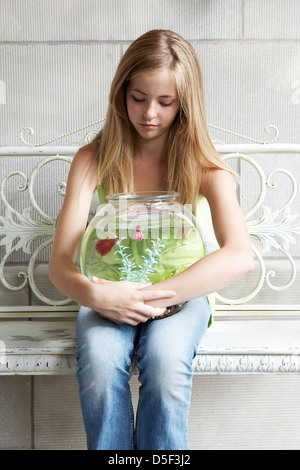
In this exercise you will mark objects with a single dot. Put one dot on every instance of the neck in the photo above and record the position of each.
(151, 151)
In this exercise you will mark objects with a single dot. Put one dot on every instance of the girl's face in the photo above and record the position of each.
(152, 103)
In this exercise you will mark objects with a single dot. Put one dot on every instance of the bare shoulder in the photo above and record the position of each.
(82, 178)
(87, 153)
(85, 165)
(92, 147)
(217, 181)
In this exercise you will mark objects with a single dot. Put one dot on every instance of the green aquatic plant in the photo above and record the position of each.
(129, 270)
(150, 260)
(128, 264)
(162, 276)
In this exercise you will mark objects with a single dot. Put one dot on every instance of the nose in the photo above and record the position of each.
(150, 111)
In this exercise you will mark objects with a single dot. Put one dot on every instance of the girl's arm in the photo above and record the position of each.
(232, 260)
(119, 301)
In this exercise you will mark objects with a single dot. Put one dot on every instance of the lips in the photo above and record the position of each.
(148, 126)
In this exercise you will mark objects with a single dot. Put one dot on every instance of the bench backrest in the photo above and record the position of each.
(32, 189)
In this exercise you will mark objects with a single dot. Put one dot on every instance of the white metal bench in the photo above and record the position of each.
(256, 328)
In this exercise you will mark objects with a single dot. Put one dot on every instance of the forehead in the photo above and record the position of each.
(159, 83)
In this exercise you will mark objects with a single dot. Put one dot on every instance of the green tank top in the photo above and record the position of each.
(168, 260)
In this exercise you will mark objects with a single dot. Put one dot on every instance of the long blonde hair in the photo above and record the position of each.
(189, 150)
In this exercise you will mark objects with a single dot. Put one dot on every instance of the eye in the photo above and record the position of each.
(165, 104)
(137, 100)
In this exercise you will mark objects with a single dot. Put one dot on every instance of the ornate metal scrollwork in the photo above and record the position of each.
(275, 229)
(86, 139)
(18, 230)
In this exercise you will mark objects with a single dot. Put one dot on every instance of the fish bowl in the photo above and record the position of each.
(141, 237)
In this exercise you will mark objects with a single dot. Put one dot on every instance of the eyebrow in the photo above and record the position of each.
(145, 94)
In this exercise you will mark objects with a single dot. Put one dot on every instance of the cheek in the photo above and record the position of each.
(172, 115)
(130, 111)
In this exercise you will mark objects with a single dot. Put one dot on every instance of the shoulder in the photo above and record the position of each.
(85, 161)
(91, 147)
(83, 174)
(87, 152)
(217, 181)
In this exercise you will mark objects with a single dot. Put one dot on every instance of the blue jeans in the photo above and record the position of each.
(165, 350)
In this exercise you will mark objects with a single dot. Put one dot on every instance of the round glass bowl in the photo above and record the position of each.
(142, 237)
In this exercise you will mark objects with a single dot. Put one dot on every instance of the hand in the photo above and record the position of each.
(124, 301)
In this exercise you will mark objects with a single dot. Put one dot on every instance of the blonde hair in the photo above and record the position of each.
(189, 150)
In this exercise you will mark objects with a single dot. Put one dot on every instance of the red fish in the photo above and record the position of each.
(104, 246)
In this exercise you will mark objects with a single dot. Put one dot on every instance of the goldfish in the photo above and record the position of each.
(103, 247)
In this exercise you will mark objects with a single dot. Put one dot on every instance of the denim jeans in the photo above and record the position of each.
(165, 350)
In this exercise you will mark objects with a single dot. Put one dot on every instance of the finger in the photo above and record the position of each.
(157, 294)
(150, 312)
(158, 311)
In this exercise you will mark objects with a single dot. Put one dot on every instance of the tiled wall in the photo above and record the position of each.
(261, 412)
(57, 59)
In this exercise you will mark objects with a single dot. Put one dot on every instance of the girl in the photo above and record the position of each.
(155, 138)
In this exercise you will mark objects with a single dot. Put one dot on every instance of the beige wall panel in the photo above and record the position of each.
(57, 414)
(249, 85)
(272, 19)
(261, 412)
(54, 88)
(232, 413)
(15, 405)
(116, 20)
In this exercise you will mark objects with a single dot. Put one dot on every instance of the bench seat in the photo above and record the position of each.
(239, 346)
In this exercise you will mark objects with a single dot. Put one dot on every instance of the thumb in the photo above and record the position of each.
(98, 280)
